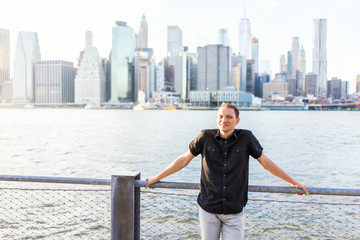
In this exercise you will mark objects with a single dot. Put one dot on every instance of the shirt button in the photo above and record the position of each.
(225, 141)
(224, 187)
(225, 153)
(223, 199)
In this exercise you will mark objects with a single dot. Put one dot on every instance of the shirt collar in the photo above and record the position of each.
(217, 135)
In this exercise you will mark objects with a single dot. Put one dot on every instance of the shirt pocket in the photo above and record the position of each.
(213, 149)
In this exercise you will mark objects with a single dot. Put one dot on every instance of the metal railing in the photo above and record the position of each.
(167, 212)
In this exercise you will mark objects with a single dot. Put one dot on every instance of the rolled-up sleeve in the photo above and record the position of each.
(196, 145)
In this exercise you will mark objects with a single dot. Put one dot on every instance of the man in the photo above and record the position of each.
(224, 174)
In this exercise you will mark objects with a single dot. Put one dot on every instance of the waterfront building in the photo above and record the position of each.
(122, 63)
(174, 40)
(6, 91)
(4, 55)
(178, 64)
(358, 83)
(169, 77)
(144, 73)
(5, 84)
(260, 79)
(344, 89)
(26, 54)
(90, 81)
(292, 86)
(319, 55)
(302, 69)
(236, 76)
(254, 43)
(276, 86)
(213, 99)
(310, 84)
(54, 82)
(238, 68)
(142, 38)
(334, 88)
(223, 38)
(250, 76)
(160, 76)
(213, 67)
(289, 64)
(192, 71)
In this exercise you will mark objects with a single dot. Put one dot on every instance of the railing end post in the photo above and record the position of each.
(125, 206)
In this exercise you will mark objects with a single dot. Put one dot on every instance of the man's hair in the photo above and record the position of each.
(232, 106)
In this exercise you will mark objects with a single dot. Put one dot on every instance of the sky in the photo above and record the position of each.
(61, 26)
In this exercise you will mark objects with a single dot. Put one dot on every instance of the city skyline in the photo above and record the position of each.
(60, 28)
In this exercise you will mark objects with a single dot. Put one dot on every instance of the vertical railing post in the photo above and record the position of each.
(125, 207)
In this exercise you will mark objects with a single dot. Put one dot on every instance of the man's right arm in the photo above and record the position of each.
(178, 164)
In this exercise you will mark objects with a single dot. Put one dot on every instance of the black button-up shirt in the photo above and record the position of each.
(225, 169)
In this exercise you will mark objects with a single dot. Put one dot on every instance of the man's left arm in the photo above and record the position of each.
(275, 170)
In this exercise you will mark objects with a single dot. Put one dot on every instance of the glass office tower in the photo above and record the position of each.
(122, 58)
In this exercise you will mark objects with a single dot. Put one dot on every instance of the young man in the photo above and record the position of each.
(224, 174)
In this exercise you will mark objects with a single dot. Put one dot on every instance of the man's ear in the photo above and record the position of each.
(237, 120)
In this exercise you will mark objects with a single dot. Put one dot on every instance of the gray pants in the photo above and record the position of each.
(231, 226)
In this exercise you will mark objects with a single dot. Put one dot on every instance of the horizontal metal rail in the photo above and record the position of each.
(180, 185)
(87, 181)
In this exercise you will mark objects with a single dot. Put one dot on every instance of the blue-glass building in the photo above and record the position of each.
(122, 63)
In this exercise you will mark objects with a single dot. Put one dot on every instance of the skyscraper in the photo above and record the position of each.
(319, 57)
(358, 83)
(244, 37)
(283, 65)
(26, 54)
(122, 58)
(142, 41)
(4, 55)
(174, 40)
(90, 79)
(54, 82)
(255, 53)
(294, 55)
(310, 84)
(213, 67)
(302, 68)
(223, 38)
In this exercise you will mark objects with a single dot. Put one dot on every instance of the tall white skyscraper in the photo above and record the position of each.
(319, 55)
(4, 55)
(244, 37)
(302, 68)
(26, 54)
(90, 78)
(142, 41)
(294, 55)
(174, 40)
(223, 37)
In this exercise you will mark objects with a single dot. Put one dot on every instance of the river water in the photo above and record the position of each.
(319, 148)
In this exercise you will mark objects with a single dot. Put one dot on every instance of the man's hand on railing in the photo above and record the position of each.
(301, 186)
(151, 180)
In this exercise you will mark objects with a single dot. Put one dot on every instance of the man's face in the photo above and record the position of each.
(226, 119)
